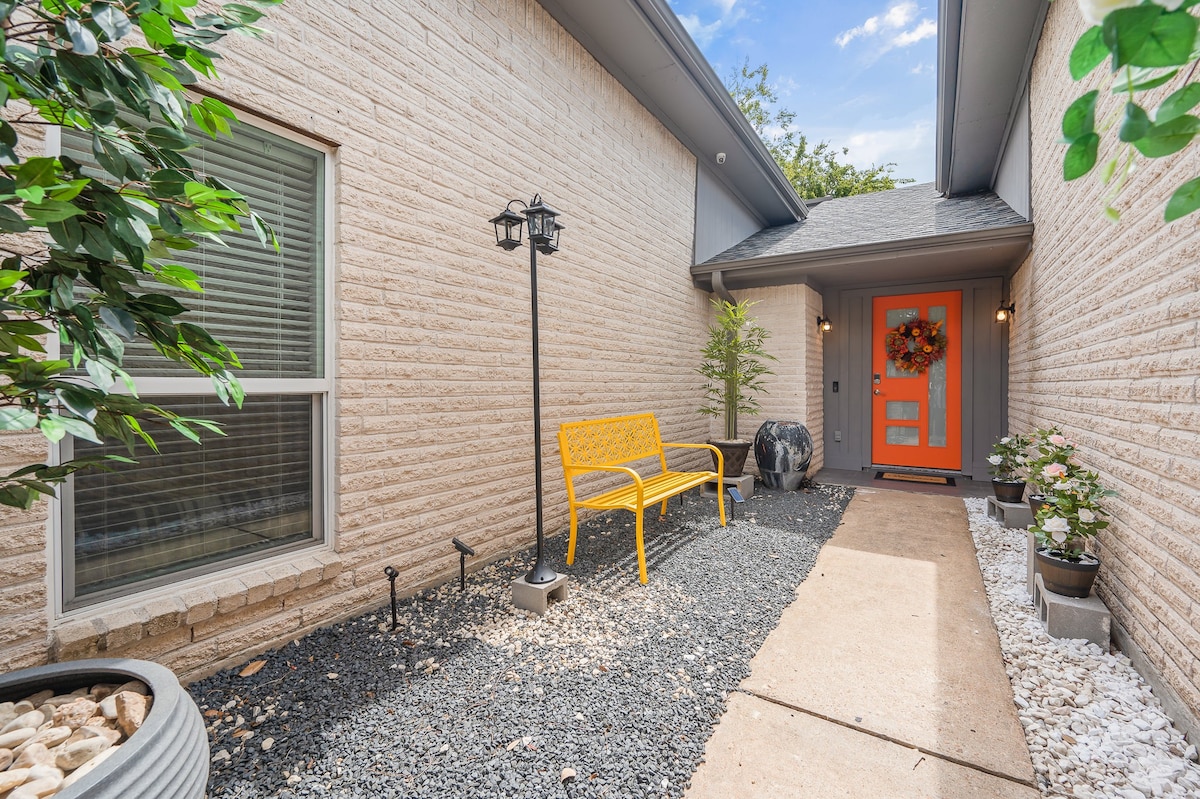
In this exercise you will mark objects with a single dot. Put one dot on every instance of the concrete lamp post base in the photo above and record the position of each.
(536, 597)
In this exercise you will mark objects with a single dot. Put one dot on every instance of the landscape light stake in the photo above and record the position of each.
(463, 551)
(543, 237)
(392, 574)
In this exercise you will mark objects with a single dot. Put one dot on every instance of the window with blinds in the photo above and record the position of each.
(257, 489)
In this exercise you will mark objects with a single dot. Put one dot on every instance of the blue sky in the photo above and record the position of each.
(857, 73)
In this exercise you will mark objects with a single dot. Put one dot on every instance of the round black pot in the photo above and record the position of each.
(1008, 490)
(1066, 576)
(783, 451)
(167, 758)
(734, 453)
(1036, 502)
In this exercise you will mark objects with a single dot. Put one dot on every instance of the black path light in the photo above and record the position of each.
(543, 236)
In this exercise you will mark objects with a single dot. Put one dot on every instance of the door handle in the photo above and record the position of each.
(877, 392)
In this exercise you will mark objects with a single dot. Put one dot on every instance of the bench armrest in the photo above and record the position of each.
(637, 478)
(720, 457)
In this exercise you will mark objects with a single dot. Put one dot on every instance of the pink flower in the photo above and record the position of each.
(1057, 440)
(1054, 471)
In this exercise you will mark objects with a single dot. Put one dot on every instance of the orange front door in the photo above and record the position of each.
(916, 415)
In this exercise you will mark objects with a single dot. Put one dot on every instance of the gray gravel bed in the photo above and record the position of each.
(622, 684)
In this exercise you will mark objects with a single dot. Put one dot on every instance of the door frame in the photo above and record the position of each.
(847, 359)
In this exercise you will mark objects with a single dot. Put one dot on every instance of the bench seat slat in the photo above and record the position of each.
(657, 488)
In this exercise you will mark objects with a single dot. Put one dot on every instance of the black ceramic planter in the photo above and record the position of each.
(1068, 577)
(1008, 490)
(1036, 502)
(734, 454)
(167, 758)
(783, 451)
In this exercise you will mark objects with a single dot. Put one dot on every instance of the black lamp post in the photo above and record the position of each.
(543, 237)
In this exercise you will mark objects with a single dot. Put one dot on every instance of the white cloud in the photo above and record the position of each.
(701, 34)
(922, 69)
(892, 28)
(926, 29)
(909, 146)
(726, 6)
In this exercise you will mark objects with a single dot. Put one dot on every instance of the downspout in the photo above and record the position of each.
(718, 287)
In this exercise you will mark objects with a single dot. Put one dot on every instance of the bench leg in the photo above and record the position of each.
(641, 550)
(571, 540)
(720, 501)
(662, 512)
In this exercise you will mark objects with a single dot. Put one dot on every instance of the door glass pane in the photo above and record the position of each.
(904, 411)
(903, 436)
(894, 317)
(937, 388)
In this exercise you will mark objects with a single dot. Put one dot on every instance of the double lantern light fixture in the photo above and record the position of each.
(544, 228)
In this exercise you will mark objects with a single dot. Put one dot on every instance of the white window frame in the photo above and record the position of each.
(321, 389)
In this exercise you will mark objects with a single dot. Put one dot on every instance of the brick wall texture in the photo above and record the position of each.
(794, 391)
(433, 107)
(1105, 344)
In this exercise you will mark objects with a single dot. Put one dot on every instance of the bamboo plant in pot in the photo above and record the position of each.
(1007, 460)
(734, 367)
(1071, 515)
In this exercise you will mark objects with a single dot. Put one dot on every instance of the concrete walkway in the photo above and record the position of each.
(884, 677)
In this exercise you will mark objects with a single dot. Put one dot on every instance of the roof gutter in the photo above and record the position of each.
(815, 267)
(949, 41)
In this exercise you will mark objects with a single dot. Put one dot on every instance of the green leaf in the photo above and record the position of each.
(11, 221)
(1170, 41)
(1081, 156)
(17, 419)
(1184, 201)
(1126, 31)
(1080, 117)
(168, 138)
(37, 172)
(82, 40)
(1169, 137)
(1089, 52)
(1135, 124)
(157, 28)
(1178, 103)
(119, 320)
(55, 427)
(11, 277)
(111, 20)
(51, 211)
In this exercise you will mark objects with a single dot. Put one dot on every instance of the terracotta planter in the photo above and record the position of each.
(734, 453)
(167, 758)
(1008, 490)
(1069, 577)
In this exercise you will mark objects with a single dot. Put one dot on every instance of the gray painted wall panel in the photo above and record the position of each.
(1013, 176)
(848, 361)
(721, 219)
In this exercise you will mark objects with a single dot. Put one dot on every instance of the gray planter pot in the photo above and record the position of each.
(166, 759)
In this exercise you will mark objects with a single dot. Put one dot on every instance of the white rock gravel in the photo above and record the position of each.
(1093, 726)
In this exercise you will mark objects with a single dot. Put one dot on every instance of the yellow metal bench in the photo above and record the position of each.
(605, 445)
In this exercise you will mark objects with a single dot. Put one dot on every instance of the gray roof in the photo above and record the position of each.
(910, 212)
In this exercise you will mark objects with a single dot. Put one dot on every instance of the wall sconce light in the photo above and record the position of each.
(823, 324)
(1005, 313)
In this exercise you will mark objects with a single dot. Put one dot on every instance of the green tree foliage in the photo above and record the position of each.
(85, 257)
(733, 364)
(813, 171)
(1149, 44)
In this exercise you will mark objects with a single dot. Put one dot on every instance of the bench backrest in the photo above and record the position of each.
(610, 442)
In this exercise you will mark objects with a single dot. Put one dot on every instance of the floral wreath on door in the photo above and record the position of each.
(915, 345)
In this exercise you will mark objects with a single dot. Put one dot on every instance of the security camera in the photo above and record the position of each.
(720, 158)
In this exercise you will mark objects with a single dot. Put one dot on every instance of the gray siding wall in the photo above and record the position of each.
(722, 220)
(1013, 178)
(848, 361)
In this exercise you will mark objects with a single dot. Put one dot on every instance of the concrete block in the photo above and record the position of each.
(537, 597)
(744, 485)
(1010, 514)
(1068, 617)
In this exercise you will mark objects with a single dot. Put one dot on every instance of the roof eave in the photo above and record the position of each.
(955, 255)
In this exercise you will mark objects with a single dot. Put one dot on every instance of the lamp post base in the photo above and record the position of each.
(540, 573)
(536, 597)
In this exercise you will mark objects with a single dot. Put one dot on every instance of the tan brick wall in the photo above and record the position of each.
(1105, 344)
(433, 117)
(794, 391)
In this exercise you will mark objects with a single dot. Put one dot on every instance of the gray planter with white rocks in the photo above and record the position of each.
(167, 758)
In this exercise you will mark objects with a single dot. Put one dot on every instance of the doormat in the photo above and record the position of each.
(905, 477)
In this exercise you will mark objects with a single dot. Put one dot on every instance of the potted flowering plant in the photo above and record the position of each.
(1007, 460)
(1052, 460)
(1071, 515)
